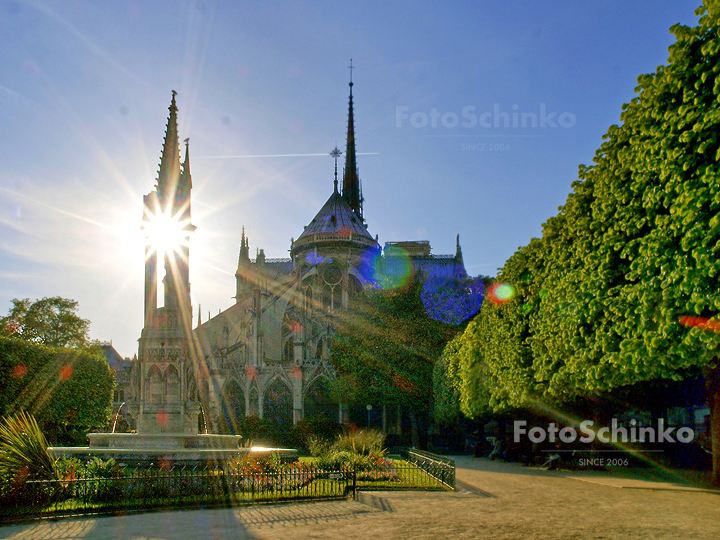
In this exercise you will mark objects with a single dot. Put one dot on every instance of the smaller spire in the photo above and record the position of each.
(244, 257)
(336, 153)
(186, 163)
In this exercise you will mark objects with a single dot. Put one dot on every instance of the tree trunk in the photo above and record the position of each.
(712, 381)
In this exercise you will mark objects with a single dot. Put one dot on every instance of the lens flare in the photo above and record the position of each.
(66, 372)
(387, 271)
(313, 258)
(451, 300)
(700, 322)
(166, 234)
(500, 293)
(162, 418)
(20, 371)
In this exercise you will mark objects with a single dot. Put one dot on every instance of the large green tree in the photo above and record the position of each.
(600, 298)
(385, 349)
(62, 388)
(50, 321)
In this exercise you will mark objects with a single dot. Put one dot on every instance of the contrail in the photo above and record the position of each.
(280, 155)
(59, 210)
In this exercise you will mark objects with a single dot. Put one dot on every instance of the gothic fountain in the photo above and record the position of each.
(166, 407)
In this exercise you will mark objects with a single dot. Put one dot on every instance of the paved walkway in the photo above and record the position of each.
(495, 500)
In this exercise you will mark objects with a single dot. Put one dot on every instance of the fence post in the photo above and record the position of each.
(354, 484)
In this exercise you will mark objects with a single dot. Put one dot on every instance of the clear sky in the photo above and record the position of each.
(85, 86)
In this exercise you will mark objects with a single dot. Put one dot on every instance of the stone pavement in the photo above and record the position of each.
(494, 500)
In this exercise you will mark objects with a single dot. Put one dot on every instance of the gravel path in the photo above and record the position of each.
(496, 500)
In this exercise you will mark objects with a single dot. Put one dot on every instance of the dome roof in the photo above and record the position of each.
(335, 221)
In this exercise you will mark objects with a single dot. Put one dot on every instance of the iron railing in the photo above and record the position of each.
(136, 490)
(438, 467)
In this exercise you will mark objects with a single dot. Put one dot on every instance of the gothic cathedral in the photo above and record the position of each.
(267, 355)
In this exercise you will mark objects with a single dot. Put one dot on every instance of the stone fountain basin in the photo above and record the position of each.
(167, 448)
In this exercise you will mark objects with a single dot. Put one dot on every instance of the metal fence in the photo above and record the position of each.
(438, 467)
(129, 490)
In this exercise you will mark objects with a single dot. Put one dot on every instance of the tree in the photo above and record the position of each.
(385, 348)
(61, 388)
(50, 321)
(635, 251)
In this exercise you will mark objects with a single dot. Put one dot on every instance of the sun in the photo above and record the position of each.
(166, 234)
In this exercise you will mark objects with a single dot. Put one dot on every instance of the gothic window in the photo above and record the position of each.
(233, 407)
(154, 387)
(254, 409)
(288, 350)
(319, 350)
(278, 406)
(290, 327)
(354, 286)
(173, 385)
(326, 295)
(308, 297)
(317, 402)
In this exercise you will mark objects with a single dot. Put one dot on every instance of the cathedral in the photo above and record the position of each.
(266, 356)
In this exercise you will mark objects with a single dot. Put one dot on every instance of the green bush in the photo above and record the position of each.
(363, 442)
(362, 450)
(62, 388)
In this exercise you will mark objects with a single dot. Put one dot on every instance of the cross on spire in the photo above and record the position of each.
(336, 153)
(351, 68)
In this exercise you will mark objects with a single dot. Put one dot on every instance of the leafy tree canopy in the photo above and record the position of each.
(59, 387)
(50, 321)
(385, 349)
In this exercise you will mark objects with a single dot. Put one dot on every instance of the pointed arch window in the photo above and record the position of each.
(154, 387)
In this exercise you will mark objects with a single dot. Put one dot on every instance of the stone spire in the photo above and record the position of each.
(351, 191)
(244, 257)
(182, 195)
(169, 172)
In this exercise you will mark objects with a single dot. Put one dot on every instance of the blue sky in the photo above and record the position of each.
(85, 86)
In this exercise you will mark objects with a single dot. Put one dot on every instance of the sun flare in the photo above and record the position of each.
(166, 234)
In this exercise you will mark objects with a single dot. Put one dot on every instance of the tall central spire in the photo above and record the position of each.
(351, 191)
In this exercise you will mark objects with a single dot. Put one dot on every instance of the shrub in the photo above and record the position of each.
(362, 442)
(318, 446)
(24, 456)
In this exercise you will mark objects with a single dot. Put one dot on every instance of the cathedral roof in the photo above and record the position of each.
(336, 220)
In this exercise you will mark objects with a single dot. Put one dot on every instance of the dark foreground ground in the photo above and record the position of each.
(495, 500)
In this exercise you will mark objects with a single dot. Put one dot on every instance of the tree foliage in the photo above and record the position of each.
(60, 387)
(385, 349)
(599, 298)
(49, 321)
